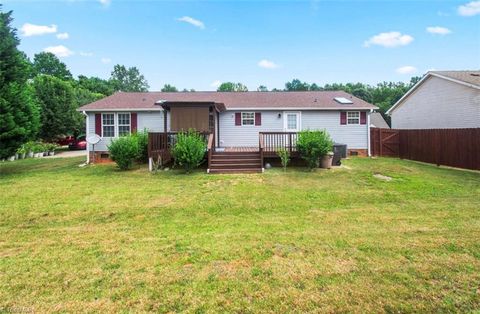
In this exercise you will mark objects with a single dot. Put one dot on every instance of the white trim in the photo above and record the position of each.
(118, 123)
(241, 118)
(119, 110)
(368, 134)
(417, 85)
(301, 108)
(114, 125)
(299, 121)
(86, 134)
(359, 117)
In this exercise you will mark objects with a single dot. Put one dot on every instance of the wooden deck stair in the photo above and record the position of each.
(235, 162)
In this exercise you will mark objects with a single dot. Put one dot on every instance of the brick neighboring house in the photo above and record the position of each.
(440, 100)
(235, 118)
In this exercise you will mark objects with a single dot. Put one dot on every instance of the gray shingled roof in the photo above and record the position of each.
(377, 120)
(321, 100)
(470, 77)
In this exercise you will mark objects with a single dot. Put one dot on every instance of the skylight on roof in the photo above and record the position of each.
(343, 100)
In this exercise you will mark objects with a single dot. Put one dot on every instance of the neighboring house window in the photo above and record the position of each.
(353, 117)
(248, 118)
(123, 124)
(108, 125)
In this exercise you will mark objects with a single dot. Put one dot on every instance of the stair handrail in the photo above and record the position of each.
(210, 150)
(260, 148)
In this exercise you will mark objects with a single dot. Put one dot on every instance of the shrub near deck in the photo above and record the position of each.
(98, 239)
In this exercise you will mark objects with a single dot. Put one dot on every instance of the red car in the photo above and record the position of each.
(79, 143)
(67, 140)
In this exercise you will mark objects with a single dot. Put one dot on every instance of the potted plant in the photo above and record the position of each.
(38, 150)
(51, 149)
(21, 152)
(29, 149)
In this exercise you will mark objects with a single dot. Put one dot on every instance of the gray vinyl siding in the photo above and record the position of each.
(151, 120)
(355, 136)
(232, 135)
(438, 104)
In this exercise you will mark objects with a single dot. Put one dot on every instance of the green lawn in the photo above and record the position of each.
(97, 239)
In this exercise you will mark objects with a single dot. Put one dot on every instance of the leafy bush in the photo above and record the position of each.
(284, 157)
(142, 140)
(189, 151)
(313, 145)
(124, 151)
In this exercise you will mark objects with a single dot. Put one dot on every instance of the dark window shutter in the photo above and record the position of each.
(343, 117)
(258, 118)
(98, 124)
(238, 118)
(363, 117)
(133, 122)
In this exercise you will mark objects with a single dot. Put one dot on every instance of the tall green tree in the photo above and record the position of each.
(58, 104)
(169, 88)
(19, 117)
(48, 63)
(232, 87)
(95, 85)
(262, 88)
(296, 85)
(128, 79)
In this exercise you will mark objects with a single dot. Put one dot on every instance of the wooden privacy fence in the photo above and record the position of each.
(450, 147)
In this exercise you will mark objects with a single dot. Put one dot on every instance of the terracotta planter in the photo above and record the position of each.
(326, 162)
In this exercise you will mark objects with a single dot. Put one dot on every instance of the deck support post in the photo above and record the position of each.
(150, 164)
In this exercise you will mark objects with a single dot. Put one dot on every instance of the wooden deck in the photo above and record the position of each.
(227, 159)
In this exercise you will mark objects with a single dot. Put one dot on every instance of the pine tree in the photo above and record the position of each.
(19, 114)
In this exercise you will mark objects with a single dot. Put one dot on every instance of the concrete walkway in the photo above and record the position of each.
(69, 154)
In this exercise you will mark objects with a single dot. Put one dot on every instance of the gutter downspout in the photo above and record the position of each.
(368, 132)
(86, 132)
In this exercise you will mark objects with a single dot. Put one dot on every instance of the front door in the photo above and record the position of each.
(291, 121)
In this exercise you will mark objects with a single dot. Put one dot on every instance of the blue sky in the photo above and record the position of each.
(196, 44)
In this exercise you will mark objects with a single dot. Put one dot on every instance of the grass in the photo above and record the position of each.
(95, 239)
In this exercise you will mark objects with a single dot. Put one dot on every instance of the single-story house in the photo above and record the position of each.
(440, 100)
(235, 119)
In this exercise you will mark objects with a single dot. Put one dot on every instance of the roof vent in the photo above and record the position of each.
(343, 100)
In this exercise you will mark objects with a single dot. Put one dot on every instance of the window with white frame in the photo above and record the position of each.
(123, 124)
(353, 117)
(248, 118)
(108, 125)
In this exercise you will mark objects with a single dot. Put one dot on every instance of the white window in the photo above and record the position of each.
(353, 117)
(248, 118)
(123, 124)
(108, 125)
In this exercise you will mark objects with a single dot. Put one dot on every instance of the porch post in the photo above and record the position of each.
(165, 120)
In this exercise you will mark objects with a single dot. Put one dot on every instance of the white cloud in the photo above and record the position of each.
(105, 3)
(389, 40)
(216, 84)
(59, 51)
(28, 29)
(469, 9)
(106, 60)
(438, 30)
(408, 69)
(191, 20)
(85, 54)
(267, 64)
(63, 36)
